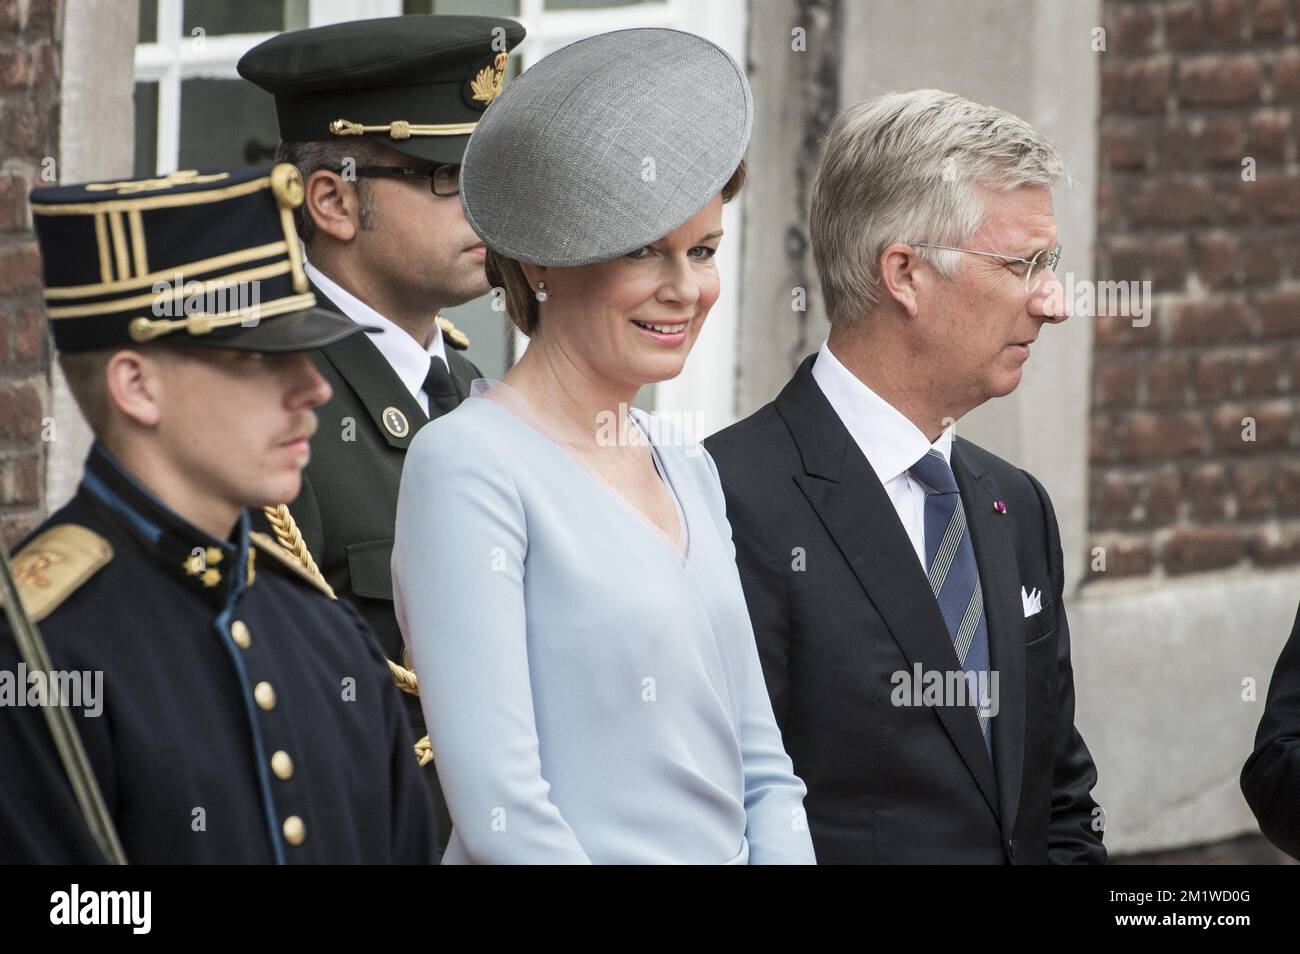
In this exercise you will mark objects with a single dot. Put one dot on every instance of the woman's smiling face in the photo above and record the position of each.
(633, 320)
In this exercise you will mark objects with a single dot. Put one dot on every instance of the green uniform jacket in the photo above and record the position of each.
(347, 507)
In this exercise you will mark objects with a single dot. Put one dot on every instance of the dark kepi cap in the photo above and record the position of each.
(199, 258)
(417, 84)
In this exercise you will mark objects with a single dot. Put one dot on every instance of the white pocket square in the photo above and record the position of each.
(1033, 602)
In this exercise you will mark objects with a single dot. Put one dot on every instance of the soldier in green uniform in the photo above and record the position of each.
(376, 115)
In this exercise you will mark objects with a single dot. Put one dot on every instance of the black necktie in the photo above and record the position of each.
(441, 389)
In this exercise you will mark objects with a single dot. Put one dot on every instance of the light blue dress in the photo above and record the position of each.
(592, 694)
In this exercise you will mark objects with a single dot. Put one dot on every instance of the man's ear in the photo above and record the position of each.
(899, 279)
(135, 387)
(332, 204)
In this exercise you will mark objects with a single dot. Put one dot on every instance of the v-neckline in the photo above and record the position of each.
(680, 549)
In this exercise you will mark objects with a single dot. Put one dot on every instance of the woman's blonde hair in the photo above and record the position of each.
(521, 302)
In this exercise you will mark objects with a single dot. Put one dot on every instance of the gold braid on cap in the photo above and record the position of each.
(290, 538)
(401, 129)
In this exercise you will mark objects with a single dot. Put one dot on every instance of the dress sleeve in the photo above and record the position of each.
(776, 826)
(458, 588)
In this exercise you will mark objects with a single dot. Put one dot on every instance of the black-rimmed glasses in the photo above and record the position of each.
(444, 180)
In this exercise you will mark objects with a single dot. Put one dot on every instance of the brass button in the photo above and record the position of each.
(239, 632)
(265, 696)
(282, 766)
(294, 830)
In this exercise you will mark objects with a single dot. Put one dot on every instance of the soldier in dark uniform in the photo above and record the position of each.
(376, 115)
(242, 714)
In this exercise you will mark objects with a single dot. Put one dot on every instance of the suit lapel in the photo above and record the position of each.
(396, 413)
(852, 504)
(993, 539)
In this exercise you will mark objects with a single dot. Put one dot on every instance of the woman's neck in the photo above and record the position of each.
(570, 398)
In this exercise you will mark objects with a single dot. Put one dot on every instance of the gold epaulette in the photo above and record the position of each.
(287, 560)
(453, 335)
(50, 568)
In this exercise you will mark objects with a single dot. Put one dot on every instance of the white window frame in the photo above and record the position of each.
(705, 392)
(175, 58)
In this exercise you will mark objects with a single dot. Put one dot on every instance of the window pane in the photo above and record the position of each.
(217, 17)
(226, 123)
(479, 8)
(148, 32)
(146, 128)
(591, 4)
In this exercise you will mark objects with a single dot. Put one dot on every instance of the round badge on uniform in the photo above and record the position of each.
(395, 422)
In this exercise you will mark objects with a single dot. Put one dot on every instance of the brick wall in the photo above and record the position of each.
(1190, 89)
(29, 118)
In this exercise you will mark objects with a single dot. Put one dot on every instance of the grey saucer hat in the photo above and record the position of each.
(604, 146)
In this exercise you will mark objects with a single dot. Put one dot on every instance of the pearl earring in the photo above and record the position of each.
(541, 291)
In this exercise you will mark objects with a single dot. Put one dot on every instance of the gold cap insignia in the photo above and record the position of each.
(487, 85)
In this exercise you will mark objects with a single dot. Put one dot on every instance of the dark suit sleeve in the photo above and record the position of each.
(1270, 779)
(1075, 830)
(765, 597)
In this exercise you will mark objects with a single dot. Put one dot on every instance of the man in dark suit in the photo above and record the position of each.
(905, 585)
(1270, 779)
(376, 115)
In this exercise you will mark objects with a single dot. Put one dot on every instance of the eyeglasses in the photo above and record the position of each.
(443, 180)
(1039, 265)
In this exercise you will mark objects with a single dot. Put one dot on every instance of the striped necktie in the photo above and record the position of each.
(954, 577)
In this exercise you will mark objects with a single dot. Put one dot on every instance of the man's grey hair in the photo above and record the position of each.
(311, 157)
(909, 167)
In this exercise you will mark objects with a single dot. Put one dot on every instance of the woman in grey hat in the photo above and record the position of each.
(563, 568)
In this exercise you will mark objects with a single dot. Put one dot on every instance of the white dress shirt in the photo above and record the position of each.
(890, 442)
(400, 350)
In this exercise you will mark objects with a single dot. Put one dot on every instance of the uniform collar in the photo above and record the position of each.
(890, 442)
(218, 569)
(400, 350)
